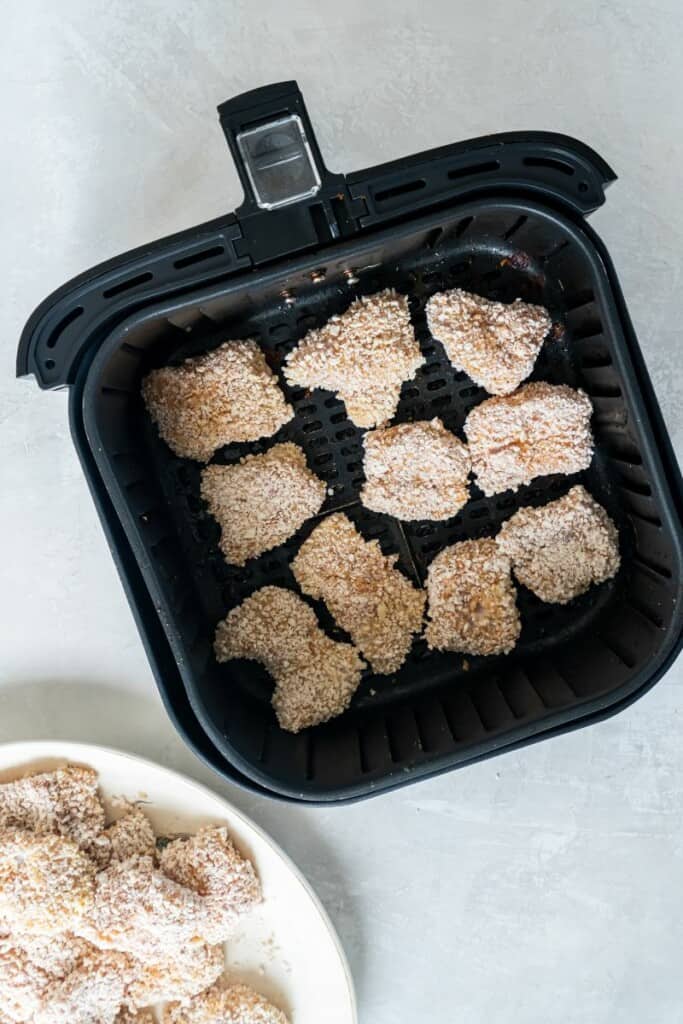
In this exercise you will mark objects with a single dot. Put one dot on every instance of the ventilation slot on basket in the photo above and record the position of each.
(400, 190)
(199, 257)
(520, 222)
(617, 648)
(62, 326)
(127, 285)
(582, 298)
(549, 162)
(486, 167)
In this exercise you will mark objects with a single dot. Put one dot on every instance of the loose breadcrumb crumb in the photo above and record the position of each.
(262, 500)
(363, 355)
(495, 343)
(64, 801)
(46, 882)
(315, 676)
(367, 595)
(559, 550)
(221, 397)
(236, 1004)
(415, 471)
(210, 864)
(541, 429)
(472, 607)
(189, 970)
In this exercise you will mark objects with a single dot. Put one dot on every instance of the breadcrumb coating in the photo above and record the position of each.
(189, 970)
(539, 430)
(127, 1016)
(315, 677)
(495, 343)
(367, 595)
(221, 397)
(92, 993)
(140, 911)
(262, 500)
(64, 801)
(236, 1004)
(46, 882)
(558, 551)
(210, 864)
(472, 600)
(131, 835)
(364, 356)
(415, 471)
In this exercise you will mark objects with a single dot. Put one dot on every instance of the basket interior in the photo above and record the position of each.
(439, 708)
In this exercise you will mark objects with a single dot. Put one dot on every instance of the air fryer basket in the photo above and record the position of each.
(572, 664)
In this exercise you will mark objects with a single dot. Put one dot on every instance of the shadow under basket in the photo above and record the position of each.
(573, 664)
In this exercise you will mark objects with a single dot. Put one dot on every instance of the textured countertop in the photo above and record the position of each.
(541, 886)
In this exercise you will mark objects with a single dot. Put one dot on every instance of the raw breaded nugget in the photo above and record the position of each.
(262, 500)
(210, 864)
(55, 955)
(223, 396)
(236, 1004)
(140, 911)
(65, 801)
(131, 835)
(186, 972)
(541, 429)
(495, 343)
(415, 471)
(46, 882)
(559, 550)
(472, 607)
(364, 356)
(92, 993)
(315, 676)
(367, 595)
(22, 982)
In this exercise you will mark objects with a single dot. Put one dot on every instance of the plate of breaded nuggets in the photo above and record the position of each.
(131, 895)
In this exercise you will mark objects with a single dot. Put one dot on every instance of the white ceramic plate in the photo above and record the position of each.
(287, 949)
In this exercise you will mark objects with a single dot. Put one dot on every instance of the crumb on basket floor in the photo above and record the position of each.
(210, 864)
(315, 676)
(234, 1004)
(495, 343)
(224, 396)
(367, 595)
(364, 355)
(260, 501)
(472, 600)
(560, 549)
(64, 801)
(415, 471)
(539, 430)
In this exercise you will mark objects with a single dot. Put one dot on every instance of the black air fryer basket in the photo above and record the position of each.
(503, 216)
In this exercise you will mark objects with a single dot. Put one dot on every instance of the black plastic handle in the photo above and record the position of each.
(274, 147)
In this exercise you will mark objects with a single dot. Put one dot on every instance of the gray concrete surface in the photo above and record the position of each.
(543, 887)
